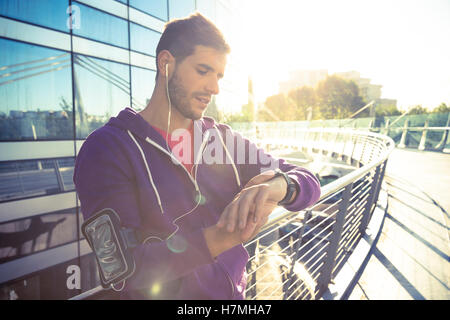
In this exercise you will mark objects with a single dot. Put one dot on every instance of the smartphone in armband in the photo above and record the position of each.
(111, 245)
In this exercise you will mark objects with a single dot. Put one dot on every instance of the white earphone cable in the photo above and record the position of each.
(170, 107)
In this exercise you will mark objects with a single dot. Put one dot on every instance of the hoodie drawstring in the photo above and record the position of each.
(148, 171)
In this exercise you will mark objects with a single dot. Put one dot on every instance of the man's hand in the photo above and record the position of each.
(253, 204)
(243, 218)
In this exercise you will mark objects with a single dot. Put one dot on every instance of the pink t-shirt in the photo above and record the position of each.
(181, 149)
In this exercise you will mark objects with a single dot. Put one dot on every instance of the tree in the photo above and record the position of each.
(277, 107)
(442, 108)
(440, 116)
(418, 110)
(248, 110)
(305, 99)
(247, 113)
(386, 111)
(339, 98)
(213, 111)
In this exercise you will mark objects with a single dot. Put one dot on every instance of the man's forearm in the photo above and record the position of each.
(219, 240)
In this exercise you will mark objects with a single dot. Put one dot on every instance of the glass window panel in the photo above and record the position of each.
(89, 270)
(66, 167)
(20, 179)
(47, 284)
(181, 8)
(35, 92)
(100, 26)
(143, 83)
(48, 13)
(143, 40)
(80, 223)
(53, 281)
(102, 90)
(157, 8)
(27, 236)
(123, 1)
(23, 289)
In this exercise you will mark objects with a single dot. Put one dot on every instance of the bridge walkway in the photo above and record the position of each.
(411, 258)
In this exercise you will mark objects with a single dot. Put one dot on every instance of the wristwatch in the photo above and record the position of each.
(291, 187)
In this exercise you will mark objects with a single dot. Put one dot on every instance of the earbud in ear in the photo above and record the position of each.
(167, 70)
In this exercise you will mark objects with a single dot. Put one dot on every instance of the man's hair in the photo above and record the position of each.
(180, 36)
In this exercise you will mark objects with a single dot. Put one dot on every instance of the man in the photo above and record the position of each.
(195, 188)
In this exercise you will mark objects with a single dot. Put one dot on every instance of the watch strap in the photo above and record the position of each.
(291, 187)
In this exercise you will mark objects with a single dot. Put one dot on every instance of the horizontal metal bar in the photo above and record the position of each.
(354, 204)
(290, 256)
(351, 236)
(365, 189)
(320, 223)
(351, 219)
(350, 231)
(314, 279)
(386, 145)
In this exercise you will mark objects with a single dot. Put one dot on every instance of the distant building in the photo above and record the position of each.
(367, 90)
(386, 102)
(300, 78)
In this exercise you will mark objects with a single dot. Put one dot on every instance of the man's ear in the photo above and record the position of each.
(164, 59)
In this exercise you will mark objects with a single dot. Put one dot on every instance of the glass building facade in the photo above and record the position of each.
(66, 67)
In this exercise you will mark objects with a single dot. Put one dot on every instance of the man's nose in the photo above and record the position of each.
(212, 86)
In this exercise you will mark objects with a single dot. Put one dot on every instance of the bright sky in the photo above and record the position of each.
(403, 45)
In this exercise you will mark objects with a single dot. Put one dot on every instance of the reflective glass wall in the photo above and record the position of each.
(66, 67)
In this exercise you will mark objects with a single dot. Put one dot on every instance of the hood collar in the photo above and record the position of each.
(129, 119)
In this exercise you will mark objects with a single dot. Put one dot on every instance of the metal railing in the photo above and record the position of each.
(297, 254)
(429, 132)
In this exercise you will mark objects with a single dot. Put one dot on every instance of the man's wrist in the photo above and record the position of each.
(289, 188)
(219, 240)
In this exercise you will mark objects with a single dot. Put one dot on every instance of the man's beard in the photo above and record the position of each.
(179, 98)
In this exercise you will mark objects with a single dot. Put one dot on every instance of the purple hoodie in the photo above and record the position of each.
(125, 165)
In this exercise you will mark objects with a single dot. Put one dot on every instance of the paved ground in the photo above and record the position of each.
(411, 258)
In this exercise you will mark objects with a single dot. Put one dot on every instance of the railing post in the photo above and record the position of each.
(368, 209)
(362, 152)
(296, 249)
(355, 141)
(443, 145)
(380, 180)
(345, 144)
(403, 139)
(326, 274)
(58, 176)
(386, 127)
(333, 152)
(423, 140)
(447, 145)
